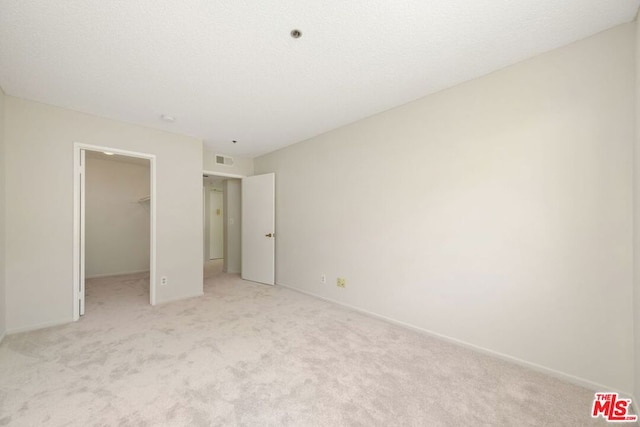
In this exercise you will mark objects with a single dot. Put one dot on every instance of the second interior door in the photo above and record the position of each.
(258, 228)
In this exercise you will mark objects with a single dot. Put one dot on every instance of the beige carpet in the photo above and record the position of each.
(253, 355)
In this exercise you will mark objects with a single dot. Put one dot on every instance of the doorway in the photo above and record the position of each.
(117, 220)
(216, 224)
(248, 215)
(222, 223)
(114, 217)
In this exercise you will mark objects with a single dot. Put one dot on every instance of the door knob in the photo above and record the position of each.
(270, 235)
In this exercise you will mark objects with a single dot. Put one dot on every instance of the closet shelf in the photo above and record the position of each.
(144, 199)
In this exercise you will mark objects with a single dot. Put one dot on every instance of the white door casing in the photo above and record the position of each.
(79, 222)
(258, 228)
(80, 206)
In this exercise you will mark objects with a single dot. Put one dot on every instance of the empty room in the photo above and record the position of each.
(296, 213)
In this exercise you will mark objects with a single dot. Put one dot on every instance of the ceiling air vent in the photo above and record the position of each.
(224, 160)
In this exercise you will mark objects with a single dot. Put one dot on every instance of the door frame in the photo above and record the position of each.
(223, 174)
(78, 227)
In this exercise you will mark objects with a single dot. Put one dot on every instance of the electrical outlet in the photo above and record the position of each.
(164, 280)
(323, 278)
(341, 282)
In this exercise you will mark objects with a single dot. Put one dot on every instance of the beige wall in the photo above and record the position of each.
(242, 166)
(117, 224)
(497, 213)
(232, 216)
(636, 299)
(39, 207)
(2, 221)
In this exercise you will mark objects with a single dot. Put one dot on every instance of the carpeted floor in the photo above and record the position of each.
(252, 355)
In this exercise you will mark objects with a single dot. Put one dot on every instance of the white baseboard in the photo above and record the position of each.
(596, 387)
(196, 295)
(38, 326)
(124, 273)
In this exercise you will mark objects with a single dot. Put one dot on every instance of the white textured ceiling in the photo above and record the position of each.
(229, 70)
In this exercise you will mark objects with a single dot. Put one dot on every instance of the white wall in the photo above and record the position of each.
(242, 166)
(498, 212)
(117, 226)
(39, 207)
(3, 204)
(232, 216)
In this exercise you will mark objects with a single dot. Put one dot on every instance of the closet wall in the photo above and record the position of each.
(117, 221)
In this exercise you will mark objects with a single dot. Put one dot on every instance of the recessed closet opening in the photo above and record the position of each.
(117, 229)
(117, 215)
(114, 221)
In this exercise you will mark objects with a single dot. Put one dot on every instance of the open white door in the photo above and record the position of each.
(258, 228)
